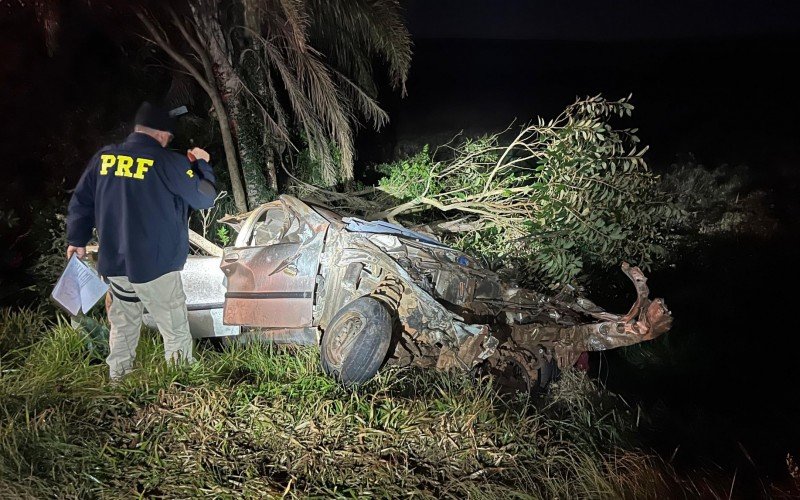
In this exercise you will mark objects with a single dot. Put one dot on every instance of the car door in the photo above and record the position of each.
(272, 270)
(203, 283)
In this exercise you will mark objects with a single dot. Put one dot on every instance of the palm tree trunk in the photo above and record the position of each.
(272, 172)
(243, 130)
(269, 149)
(252, 151)
(239, 196)
(207, 83)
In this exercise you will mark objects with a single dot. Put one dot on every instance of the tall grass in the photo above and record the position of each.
(259, 421)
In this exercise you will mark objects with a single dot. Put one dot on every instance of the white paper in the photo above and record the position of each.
(79, 288)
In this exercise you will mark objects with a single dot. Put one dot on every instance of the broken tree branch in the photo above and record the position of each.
(203, 244)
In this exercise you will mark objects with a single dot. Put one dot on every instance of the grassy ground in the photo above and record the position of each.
(257, 421)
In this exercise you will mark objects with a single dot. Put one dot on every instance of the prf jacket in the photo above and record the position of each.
(138, 195)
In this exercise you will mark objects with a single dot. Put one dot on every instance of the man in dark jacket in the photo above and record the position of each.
(138, 195)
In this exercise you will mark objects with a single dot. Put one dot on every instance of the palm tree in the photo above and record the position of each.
(272, 66)
(269, 66)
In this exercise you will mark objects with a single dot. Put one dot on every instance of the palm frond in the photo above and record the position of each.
(358, 29)
(297, 22)
(315, 64)
(271, 92)
(366, 104)
(309, 117)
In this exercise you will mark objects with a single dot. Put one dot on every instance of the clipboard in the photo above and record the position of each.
(78, 288)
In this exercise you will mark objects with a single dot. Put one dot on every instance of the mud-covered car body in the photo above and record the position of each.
(294, 266)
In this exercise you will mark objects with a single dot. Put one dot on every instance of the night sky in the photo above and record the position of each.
(602, 20)
(712, 79)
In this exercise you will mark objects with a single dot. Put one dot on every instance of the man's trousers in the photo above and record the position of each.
(165, 301)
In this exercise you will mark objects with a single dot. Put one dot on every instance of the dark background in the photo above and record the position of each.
(715, 79)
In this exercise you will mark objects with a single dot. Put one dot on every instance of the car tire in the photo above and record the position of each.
(356, 342)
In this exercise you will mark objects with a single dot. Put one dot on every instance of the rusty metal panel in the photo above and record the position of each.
(269, 312)
(300, 336)
(273, 285)
(455, 288)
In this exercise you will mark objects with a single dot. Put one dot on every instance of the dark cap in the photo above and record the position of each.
(155, 117)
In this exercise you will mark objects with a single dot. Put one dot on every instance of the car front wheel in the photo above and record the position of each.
(355, 344)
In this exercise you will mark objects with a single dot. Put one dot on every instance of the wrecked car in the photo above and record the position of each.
(375, 293)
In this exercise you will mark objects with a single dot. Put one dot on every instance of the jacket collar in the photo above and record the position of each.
(141, 139)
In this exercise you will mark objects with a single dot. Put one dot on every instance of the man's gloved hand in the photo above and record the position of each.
(198, 154)
(202, 168)
(81, 251)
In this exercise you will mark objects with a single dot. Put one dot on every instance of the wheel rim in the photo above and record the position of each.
(345, 333)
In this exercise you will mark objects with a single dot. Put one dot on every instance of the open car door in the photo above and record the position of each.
(272, 269)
